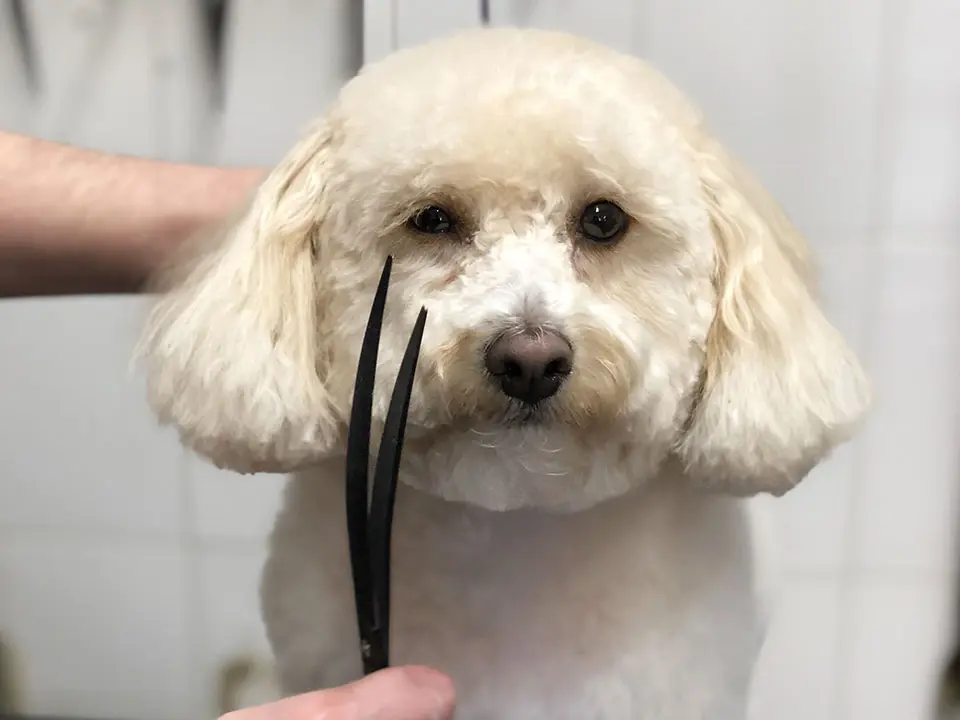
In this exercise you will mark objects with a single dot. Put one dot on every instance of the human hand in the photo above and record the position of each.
(401, 693)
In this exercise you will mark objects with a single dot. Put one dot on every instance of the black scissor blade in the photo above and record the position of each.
(385, 483)
(358, 462)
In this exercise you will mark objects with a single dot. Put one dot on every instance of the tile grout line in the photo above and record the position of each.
(194, 595)
(148, 539)
(208, 139)
(191, 569)
(889, 69)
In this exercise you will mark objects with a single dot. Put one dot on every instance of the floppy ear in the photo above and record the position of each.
(231, 346)
(780, 387)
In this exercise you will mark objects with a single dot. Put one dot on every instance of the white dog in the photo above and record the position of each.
(623, 346)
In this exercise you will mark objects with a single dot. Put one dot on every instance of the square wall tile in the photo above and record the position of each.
(711, 50)
(80, 448)
(790, 87)
(63, 33)
(419, 21)
(231, 506)
(796, 676)
(908, 493)
(186, 107)
(900, 633)
(99, 58)
(379, 29)
(814, 517)
(846, 264)
(928, 49)
(96, 628)
(925, 166)
(285, 61)
(619, 29)
(232, 636)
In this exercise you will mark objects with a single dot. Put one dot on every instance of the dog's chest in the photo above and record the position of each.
(580, 617)
(642, 608)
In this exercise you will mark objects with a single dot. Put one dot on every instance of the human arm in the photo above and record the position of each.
(402, 693)
(76, 221)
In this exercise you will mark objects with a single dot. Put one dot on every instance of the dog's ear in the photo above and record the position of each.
(780, 386)
(231, 348)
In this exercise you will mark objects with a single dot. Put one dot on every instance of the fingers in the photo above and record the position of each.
(402, 693)
(407, 693)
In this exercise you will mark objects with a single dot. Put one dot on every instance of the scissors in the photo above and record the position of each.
(369, 522)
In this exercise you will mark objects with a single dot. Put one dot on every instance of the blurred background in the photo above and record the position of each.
(129, 569)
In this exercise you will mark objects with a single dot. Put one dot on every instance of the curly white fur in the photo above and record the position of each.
(576, 567)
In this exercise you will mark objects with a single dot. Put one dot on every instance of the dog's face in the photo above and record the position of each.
(606, 289)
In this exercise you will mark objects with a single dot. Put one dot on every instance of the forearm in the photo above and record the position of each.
(78, 221)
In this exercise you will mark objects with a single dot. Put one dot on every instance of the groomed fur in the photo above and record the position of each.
(781, 387)
(573, 538)
(233, 345)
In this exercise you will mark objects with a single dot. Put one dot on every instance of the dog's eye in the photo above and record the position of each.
(432, 220)
(602, 222)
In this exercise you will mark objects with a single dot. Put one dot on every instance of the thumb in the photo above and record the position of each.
(400, 693)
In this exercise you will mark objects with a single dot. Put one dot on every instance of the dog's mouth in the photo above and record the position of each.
(516, 415)
(522, 415)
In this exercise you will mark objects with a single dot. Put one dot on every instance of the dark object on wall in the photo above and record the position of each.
(7, 699)
(948, 689)
(25, 44)
(948, 700)
(215, 16)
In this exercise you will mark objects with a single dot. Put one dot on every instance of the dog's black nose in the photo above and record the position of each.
(529, 366)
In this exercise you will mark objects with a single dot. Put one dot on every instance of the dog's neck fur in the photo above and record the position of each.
(648, 606)
(553, 469)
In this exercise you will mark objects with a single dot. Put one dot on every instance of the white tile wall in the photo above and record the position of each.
(97, 627)
(80, 449)
(911, 456)
(129, 569)
(228, 621)
(418, 21)
(229, 506)
(615, 26)
(895, 643)
(801, 684)
(286, 63)
(791, 86)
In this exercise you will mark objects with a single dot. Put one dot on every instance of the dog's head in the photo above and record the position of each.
(608, 291)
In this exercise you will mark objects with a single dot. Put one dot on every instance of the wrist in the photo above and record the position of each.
(204, 196)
